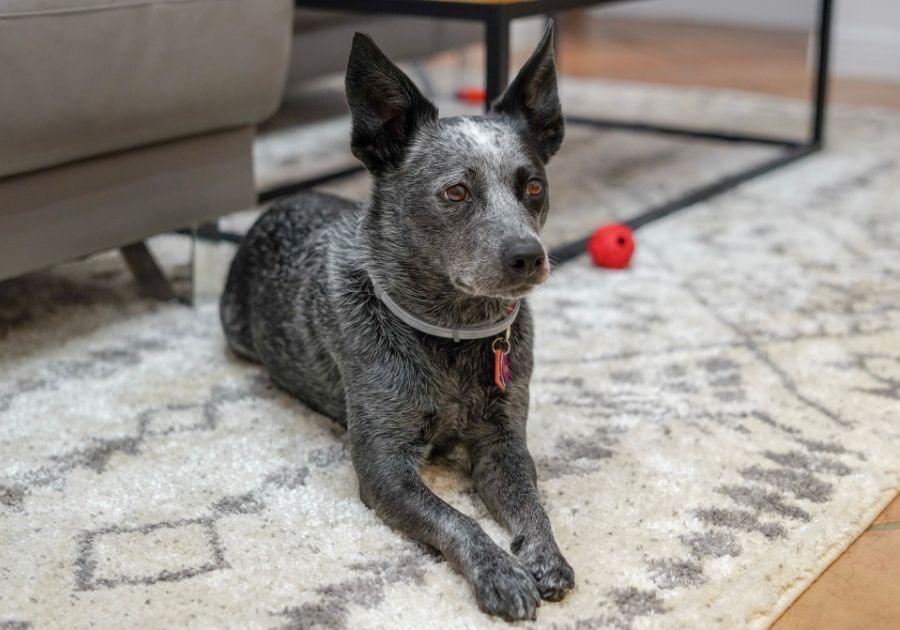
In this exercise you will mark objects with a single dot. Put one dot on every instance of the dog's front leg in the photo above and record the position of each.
(386, 463)
(505, 477)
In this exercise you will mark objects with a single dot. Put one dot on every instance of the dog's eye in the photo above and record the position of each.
(456, 193)
(535, 187)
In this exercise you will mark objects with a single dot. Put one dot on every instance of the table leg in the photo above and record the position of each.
(496, 43)
(820, 89)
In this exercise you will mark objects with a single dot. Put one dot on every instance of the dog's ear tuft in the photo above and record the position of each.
(385, 105)
(533, 97)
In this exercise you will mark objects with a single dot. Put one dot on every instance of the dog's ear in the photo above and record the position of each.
(533, 97)
(386, 106)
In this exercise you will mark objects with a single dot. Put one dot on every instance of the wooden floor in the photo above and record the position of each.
(861, 590)
(772, 62)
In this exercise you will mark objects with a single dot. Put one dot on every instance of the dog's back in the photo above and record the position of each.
(274, 294)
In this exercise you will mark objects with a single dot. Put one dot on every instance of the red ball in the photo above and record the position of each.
(472, 95)
(611, 246)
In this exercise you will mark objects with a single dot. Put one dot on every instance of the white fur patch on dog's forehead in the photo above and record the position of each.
(481, 134)
(490, 139)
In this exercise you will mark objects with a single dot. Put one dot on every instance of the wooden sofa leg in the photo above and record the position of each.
(150, 278)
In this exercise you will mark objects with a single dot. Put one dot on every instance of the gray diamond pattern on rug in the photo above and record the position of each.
(159, 552)
(711, 427)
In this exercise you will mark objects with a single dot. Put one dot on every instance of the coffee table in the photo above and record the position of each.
(496, 16)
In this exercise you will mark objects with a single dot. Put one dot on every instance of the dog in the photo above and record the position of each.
(404, 319)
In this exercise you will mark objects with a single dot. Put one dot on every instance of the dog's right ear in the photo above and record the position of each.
(385, 105)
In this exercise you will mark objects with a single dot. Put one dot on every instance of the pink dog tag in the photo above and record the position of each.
(501, 361)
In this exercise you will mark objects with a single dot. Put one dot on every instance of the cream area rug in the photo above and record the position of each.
(711, 427)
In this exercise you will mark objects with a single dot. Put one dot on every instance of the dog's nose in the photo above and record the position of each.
(524, 256)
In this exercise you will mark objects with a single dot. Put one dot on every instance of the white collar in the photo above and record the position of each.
(482, 331)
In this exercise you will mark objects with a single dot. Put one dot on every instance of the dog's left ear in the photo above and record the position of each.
(386, 107)
(533, 97)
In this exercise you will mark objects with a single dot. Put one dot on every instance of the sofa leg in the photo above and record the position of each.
(209, 262)
(150, 278)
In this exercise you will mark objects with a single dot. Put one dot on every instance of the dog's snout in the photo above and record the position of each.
(524, 256)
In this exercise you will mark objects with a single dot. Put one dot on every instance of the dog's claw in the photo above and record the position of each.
(506, 589)
(551, 572)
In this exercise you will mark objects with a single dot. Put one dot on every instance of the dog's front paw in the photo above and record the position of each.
(504, 588)
(550, 570)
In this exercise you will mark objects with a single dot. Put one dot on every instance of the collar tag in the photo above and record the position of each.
(500, 348)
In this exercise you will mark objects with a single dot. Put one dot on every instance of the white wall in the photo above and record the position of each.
(867, 42)
(866, 38)
(784, 14)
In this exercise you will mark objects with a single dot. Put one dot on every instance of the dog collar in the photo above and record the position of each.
(481, 331)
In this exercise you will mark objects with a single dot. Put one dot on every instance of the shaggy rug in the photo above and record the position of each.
(711, 427)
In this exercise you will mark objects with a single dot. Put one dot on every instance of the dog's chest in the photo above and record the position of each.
(463, 393)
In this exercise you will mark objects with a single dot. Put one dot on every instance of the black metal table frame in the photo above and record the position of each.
(496, 19)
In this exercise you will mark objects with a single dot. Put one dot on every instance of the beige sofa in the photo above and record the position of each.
(124, 118)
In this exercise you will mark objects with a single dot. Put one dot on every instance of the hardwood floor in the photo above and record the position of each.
(860, 590)
(768, 61)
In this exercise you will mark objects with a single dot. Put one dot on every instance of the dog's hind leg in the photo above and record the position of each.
(234, 309)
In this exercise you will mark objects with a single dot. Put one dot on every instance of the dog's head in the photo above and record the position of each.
(467, 197)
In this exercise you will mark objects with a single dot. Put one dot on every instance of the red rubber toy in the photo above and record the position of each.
(472, 95)
(611, 246)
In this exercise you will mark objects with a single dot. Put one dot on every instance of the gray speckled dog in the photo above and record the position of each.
(452, 235)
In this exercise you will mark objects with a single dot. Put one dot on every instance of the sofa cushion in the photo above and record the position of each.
(86, 77)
